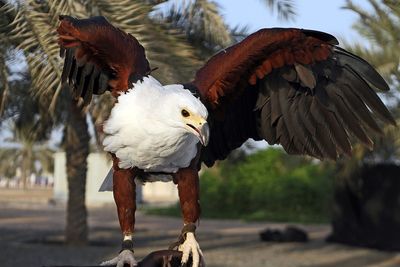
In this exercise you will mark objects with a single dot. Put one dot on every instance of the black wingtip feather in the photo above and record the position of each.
(68, 62)
(292, 131)
(62, 52)
(103, 84)
(347, 117)
(363, 90)
(358, 107)
(338, 133)
(322, 132)
(361, 67)
(309, 145)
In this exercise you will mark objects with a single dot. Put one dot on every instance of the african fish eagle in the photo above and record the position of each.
(292, 87)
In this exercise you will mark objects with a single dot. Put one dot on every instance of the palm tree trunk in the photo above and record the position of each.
(77, 150)
(26, 165)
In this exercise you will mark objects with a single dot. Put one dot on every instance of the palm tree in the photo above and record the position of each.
(25, 156)
(30, 127)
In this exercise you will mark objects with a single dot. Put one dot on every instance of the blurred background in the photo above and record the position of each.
(344, 213)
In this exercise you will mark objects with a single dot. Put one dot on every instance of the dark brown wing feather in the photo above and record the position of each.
(291, 87)
(99, 57)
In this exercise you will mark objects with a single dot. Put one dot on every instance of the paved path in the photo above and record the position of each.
(31, 232)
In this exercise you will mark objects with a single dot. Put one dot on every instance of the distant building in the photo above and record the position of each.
(98, 167)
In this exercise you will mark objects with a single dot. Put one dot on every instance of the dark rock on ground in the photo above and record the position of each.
(290, 234)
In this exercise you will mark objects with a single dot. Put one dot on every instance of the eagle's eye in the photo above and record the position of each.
(185, 113)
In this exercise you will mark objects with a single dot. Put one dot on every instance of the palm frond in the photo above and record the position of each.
(239, 33)
(201, 22)
(6, 15)
(32, 25)
(285, 8)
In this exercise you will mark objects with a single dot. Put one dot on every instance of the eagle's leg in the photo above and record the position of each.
(125, 199)
(188, 188)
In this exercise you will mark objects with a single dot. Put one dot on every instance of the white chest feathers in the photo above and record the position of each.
(145, 131)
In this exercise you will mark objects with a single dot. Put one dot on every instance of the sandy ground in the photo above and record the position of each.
(31, 232)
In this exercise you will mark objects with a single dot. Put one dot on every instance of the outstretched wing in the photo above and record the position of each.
(291, 87)
(99, 57)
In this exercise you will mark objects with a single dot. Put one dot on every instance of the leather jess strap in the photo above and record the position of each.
(188, 228)
(127, 245)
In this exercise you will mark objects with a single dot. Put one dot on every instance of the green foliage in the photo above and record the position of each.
(267, 185)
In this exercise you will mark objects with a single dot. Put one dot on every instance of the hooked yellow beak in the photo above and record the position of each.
(199, 127)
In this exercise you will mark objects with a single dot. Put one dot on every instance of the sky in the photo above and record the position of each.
(323, 15)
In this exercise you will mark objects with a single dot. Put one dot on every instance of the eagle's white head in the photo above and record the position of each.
(156, 127)
(183, 110)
